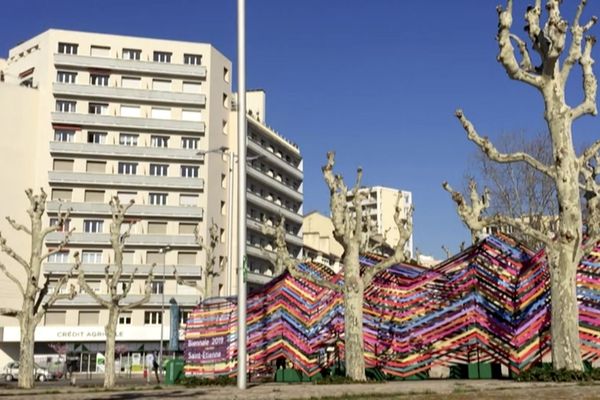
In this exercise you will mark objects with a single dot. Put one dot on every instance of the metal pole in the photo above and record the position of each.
(241, 377)
(162, 308)
(230, 270)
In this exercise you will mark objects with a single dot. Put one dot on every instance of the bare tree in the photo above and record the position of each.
(36, 296)
(353, 231)
(118, 290)
(212, 269)
(565, 249)
(471, 213)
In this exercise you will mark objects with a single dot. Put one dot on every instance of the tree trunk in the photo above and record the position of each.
(353, 317)
(111, 333)
(26, 368)
(208, 284)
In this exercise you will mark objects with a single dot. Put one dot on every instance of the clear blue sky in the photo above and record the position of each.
(377, 81)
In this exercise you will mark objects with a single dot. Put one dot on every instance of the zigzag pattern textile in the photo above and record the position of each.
(490, 303)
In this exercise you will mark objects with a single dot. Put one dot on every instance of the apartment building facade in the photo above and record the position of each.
(92, 116)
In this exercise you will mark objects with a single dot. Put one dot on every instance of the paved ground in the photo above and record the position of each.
(418, 390)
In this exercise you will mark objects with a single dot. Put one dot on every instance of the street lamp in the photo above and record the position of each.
(163, 251)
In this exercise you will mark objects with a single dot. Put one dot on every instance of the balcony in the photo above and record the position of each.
(103, 239)
(137, 210)
(120, 151)
(82, 299)
(127, 181)
(141, 96)
(273, 208)
(135, 66)
(276, 161)
(289, 238)
(141, 270)
(275, 184)
(115, 122)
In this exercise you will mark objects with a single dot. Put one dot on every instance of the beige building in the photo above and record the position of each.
(91, 116)
(319, 243)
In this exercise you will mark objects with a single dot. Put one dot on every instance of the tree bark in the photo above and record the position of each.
(111, 333)
(353, 316)
(26, 368)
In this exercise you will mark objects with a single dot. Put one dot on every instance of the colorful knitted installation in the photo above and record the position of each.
(488, 303)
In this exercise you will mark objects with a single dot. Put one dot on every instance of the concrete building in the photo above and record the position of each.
(319, 243)
(91, 116)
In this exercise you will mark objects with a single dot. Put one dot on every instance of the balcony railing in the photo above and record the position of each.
(135, 66)
(120, 151)
(257, 227)
(150, 240)
(117, 122)
(276, 161)
(275, 184)
(137, 210)
(274, 208)
(140, 270)
(117, 180)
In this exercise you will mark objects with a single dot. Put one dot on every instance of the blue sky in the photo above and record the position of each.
(377, 81)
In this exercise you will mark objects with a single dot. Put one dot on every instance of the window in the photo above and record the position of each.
(62, 194)
(189, 143)
(191, 115)
(94, 196)
(100, 51)
(96, 137)
(161, 84)
(65, 226)
(157, 228)
(63, 165)
(223, 208)
(188, 171)
(131, 83)
(91, 257)
(224, 181)
(184, 316)
(124, 319)
(158, 169)
(188, 200)
(67, 48)
(152, 318)
(65, 106)
(187, 229)
(184, 258)
(92, 225)
(97, 167)
(66, 77)
(99, 79)
(126, 139)
(126, 197)
(154, 257)
(159, 141)
(64, 136)
(224, 127)
(226, 74)
(61, 257)
(98, 108)
(130, 111)
(132, 54)
(157, 287)
(87, 318)
(162, 56)
(225, 100)
(56, 317)
(128, 257)
(160, 113)
(192, 59)
(126, 168)
(191, 87)
(157, 199)
(94, 285)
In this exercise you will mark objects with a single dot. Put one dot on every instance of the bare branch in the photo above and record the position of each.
(577, 32)
(281, 251)
(292, 267)
(338, 194)
(18, 227)
(590, 84)
(471, 214)
(589, 153)
(488, 148)
(61, 246)
(186, 282)
(147, 292)
(446, 251)
(126, 288)
(84, 285)
(527, 229)
(525, 64)
(12, 278)
(10, 312)
(12, 254)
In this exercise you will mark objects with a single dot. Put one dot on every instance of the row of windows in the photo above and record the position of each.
(96, 257)
(276, 174)
(125, 139)
(69, 106)
(154, 198)
(127, 168)
(87, 318)
(270, 196)
(267, 144)
(129, 82)
(129, 54)
(153, 227)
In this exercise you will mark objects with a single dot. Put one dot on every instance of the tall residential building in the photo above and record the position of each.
(89, 116)
(319, 243)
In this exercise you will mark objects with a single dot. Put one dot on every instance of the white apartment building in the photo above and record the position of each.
(89, 116)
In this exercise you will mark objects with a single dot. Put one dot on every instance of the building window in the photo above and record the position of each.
(94, 196)
(98, 108)
(87, 318)
(160, 113)
(157, 287)
(152, 318)
(96, 167)
(162, 56)
(159, 141)
(62, 165)
(224, 126)
(192, 59)
(187, 229)
(91, 257)
(132, 54)
(130, 111)
(66, 77)
(189, 143)
(67, 48)
(157, 199)
(56, 317)
(226, 74)
(62, 257)
(225, 100)
(185, 258)
(64, 228)
(125, 319)
(66, 106)
(191, 115)
(92, 225)
(62, 194)
(94, 285)
(126, 197)
(191, 87)
(189, 171)
(161, 84)
(126, 168)
(188, 200)
(184, 316)
(96, 137)
(131, 83)
(99, 79)
(99, 51)
(64, 136)
(126, 139)
(158, 169)
(158, 228)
